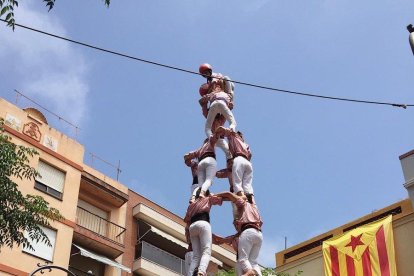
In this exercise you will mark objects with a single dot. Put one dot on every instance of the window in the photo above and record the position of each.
(50, 181)
(41, 249)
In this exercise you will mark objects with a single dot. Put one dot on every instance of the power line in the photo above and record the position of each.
(92, 155)
(196, 73)
(20, 94)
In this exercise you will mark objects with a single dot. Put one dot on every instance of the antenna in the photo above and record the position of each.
(20, 95)
(117, 168)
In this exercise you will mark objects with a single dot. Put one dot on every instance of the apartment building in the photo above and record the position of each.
(108, 229)
(159, 239)
(307, 256)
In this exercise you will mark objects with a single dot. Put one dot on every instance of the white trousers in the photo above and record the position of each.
(206, 172)
(238, 270)
(193, 189)
(224, 146)
(200, 235)
(219, 106)
(242, 172)
(187, 262)
(250, 242)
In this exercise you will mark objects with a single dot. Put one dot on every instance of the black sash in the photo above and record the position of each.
(249, 225)
(201, 216)
(208, 154)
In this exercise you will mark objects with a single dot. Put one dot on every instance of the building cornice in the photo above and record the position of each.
(42, 148)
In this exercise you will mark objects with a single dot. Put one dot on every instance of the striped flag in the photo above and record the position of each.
(365, 251)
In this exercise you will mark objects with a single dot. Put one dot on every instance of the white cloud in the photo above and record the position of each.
(46, 69)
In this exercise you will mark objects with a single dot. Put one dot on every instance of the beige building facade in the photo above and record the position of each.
(62, 156)
(108, 229)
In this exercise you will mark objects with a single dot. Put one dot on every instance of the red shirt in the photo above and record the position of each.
(237, 146)
(247, 214)
(220, 95)
(216, 84)
(206, 148)
(201, 205)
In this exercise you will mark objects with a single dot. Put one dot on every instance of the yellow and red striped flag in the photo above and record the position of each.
(365, 251)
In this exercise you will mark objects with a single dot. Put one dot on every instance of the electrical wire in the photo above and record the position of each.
(20, 94)
(196, 73)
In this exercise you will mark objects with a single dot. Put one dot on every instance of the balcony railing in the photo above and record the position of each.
(100, 225)
(154, 254)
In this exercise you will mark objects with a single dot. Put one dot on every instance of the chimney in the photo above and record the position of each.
(407, 164)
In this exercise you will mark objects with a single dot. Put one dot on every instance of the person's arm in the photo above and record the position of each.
(222, 173)
(229, 86)
(194, 166)
(220, 240)
(204, 110)
(217, 239)
(187, 235)
(224, 131)
(229, 163)
(215, 200)
(204, 105)
(204, 99)
(213, 139)
(250, 153)
(189, 156)
(228, 195)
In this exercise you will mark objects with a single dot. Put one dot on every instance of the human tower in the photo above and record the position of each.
(216, 102)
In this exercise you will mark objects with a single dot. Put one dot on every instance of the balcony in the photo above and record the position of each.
(150, 215)
(100, 225)
(151, 260)
(95, 232)
(100, 192)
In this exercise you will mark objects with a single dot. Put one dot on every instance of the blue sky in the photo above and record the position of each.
(317, 164)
